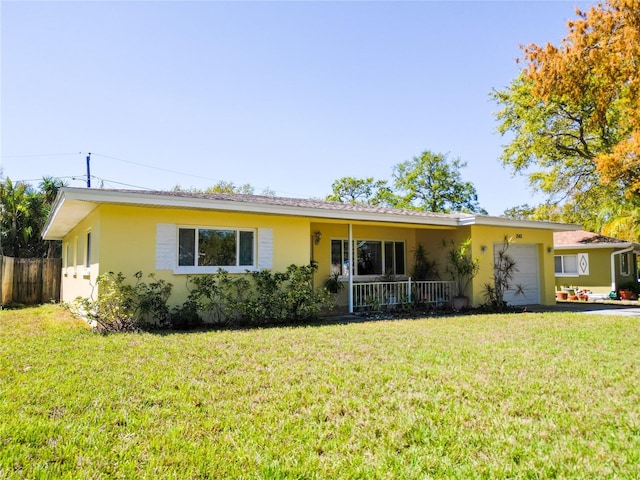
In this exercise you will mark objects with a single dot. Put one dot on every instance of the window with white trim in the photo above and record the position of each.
(371, 257)
(625, 264)
(566, 265)
(87, 256)
(216, 247)
(67, 257)
(76, 254)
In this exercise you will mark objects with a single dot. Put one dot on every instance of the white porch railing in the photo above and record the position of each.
(385, 294)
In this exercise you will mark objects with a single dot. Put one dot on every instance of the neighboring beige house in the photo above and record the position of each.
(595, 262)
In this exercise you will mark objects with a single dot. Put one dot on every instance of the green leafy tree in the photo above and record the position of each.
(432, 182)
(14, 210)
(24, 214)
(230, 187)
(365, 191)
(572, 119)
(520, 212)
(551, 146)
(224, 186)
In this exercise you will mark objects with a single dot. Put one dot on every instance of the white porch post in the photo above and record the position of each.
(350, 268)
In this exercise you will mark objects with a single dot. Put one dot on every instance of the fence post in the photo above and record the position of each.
(409, 289)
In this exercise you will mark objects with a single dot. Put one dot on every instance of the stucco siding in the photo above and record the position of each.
(77, 279)
(484, 236)
(128, 240)
(599, 278)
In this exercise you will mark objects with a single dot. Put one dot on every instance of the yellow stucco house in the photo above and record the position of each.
(176, 234)
(594, 262)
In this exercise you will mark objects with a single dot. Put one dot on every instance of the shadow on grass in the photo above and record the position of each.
(334, 318)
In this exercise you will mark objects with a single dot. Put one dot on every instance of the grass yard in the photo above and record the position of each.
(518, 396)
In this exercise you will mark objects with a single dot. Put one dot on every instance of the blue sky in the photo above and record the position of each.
(288, 96)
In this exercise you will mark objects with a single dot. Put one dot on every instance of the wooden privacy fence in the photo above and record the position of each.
(30, 281)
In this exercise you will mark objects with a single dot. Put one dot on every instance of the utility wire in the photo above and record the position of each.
(120, 183)
(153, 167)
(80, 177)
(39, 155)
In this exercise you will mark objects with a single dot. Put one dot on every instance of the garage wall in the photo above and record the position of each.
(523, 240)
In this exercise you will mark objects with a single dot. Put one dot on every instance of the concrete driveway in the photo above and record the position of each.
(626, 309)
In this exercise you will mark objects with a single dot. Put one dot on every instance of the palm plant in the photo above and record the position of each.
(14, 210)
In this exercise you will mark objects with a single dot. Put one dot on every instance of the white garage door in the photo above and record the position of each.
(525, 286)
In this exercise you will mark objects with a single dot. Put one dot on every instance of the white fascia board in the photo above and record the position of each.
(55, 208)
(168, 201)
(516, 223)
(581, 246)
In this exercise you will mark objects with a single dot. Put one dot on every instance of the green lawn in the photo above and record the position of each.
(525, 396)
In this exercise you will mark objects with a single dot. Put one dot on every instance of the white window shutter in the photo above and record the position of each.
(265, 248)
(166, 248)
(583, 264)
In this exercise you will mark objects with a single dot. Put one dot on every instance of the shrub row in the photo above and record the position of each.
(257, 298)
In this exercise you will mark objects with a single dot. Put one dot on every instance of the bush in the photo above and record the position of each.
(214, 299)
(185, 316)
(284, 296)
(258, 298)
(121, 307)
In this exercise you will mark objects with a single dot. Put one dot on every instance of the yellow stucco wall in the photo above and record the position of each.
(127, 242)
(124, 240)
(488, 236)
(438, 241)
(77, 279)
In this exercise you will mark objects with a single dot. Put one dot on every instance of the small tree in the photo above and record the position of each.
(462, 268)
(504, 266)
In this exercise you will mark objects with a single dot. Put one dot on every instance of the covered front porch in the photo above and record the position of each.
(376, 263)
(380, 294)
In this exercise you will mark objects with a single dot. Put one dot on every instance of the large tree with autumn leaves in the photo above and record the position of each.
(573, 119)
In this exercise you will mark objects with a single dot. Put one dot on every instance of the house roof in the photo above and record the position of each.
(584, 239)
(74, 204)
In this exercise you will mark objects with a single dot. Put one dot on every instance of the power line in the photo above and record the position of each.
(168, 171)
(113, 158)
(39, 155)
(123, 184)
(154, 167)
(140, 164)
(27, 180)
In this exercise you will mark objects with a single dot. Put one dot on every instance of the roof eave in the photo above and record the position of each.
(578, 246)
(91, 199)
(79, 202)
(516, 223)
